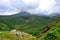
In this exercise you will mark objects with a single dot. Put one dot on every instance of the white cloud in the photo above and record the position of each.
(22, 5)
(6, 8)
(31, 2)
(46, 4)
(9, 7)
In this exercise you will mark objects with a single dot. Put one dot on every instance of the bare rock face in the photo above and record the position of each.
(17, 33)
(20, 34)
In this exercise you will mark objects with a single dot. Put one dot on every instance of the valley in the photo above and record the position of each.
(32, 27)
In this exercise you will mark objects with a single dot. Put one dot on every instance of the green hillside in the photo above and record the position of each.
(51, 34)
(54, 32)
(3, 27)
(30, 24)
(24, 29)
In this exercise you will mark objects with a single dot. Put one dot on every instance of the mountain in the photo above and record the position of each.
(24, 13)
(29, 27)
(25, 22)
(39, 14)
(54, 14)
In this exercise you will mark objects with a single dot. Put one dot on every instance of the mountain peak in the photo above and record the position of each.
(24, 13)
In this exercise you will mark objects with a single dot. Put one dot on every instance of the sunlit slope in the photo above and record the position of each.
(54, 32)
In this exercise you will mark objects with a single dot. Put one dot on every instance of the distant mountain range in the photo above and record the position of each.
(54, 14)
(24, 13)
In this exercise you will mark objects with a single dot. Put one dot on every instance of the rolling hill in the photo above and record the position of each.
(25, 21)
(29, 27)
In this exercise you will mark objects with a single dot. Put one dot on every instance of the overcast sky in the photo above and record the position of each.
(9, 7)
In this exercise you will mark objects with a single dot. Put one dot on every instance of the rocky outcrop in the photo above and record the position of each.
(20, 34)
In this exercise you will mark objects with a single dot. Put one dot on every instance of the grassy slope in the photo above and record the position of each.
(29, 24)
(3, 27)
(54, 32)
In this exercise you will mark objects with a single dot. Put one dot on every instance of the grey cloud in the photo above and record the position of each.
(6, 8)
(56, 7)
(14, 6)
(19, 4)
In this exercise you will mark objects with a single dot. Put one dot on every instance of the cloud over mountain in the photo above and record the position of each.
(9, 7)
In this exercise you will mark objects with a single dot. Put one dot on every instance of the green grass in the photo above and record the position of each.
(54, 32)
(31, 25)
